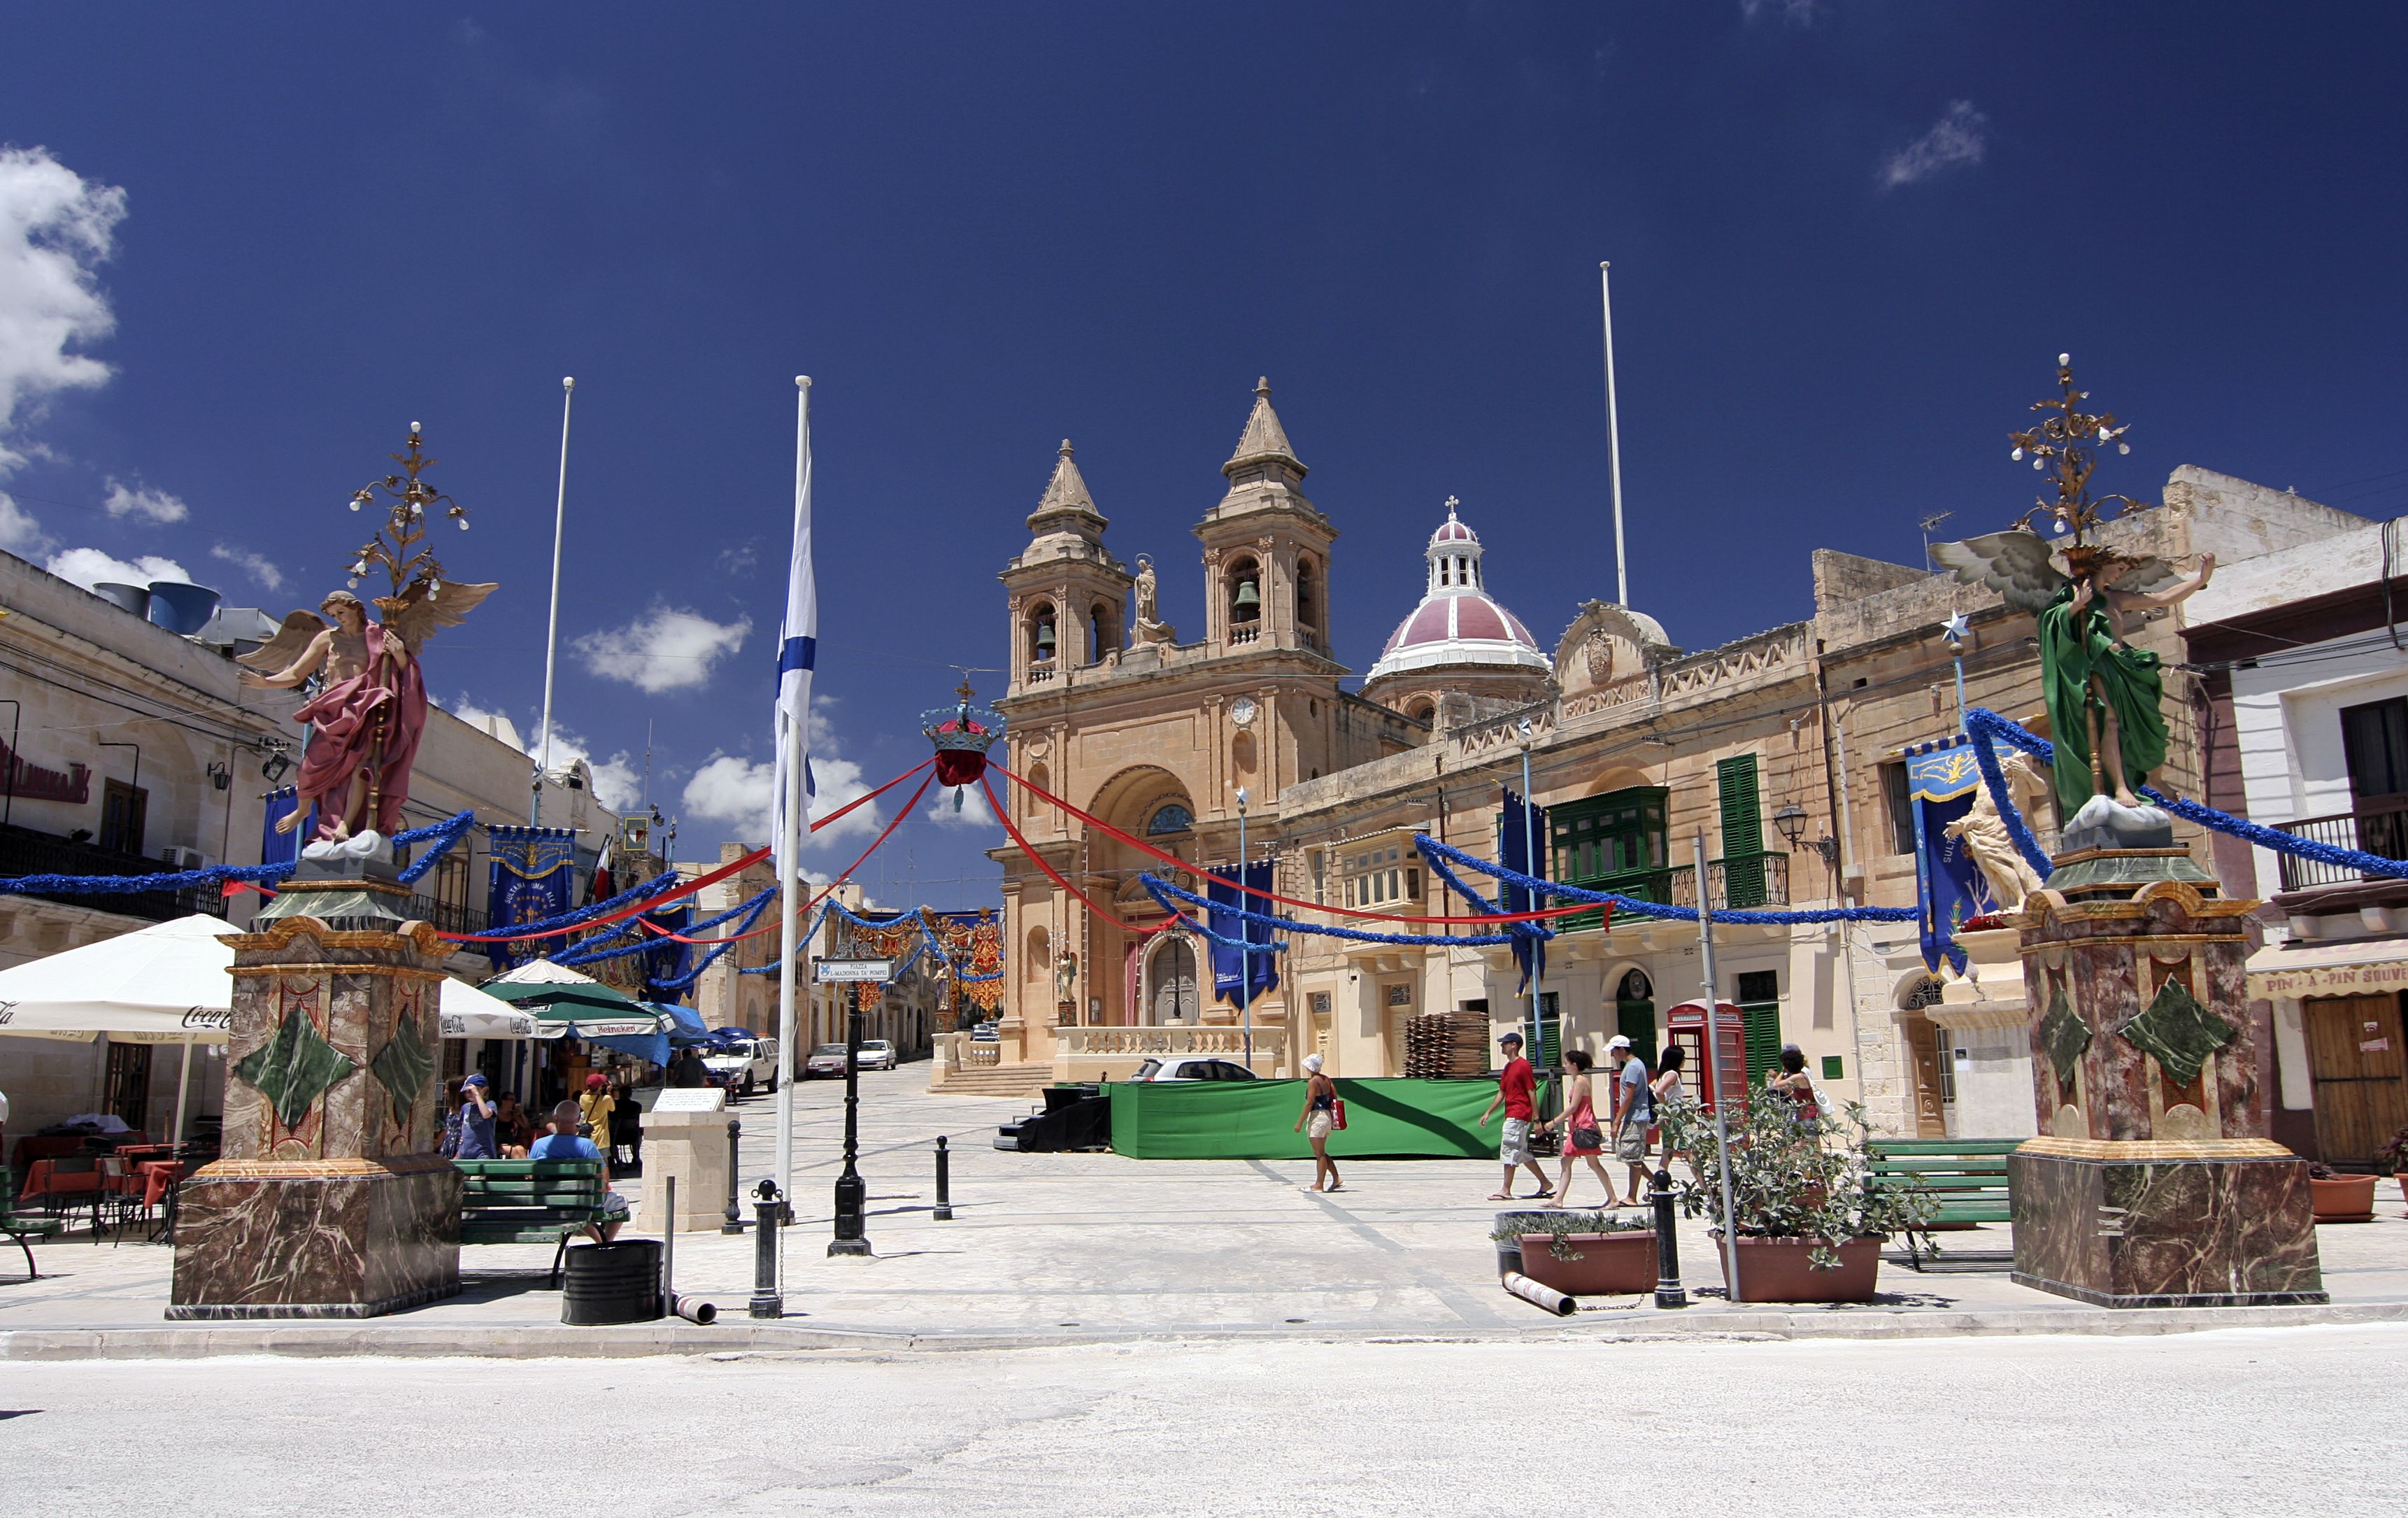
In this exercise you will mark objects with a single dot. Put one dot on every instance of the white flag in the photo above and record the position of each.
(797, 643)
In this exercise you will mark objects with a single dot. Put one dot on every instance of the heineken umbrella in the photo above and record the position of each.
(168, 983)
(567, 1005)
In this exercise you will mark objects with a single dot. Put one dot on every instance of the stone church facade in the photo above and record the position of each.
(1778, 757)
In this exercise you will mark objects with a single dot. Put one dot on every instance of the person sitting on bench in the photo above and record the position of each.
(563, 1143)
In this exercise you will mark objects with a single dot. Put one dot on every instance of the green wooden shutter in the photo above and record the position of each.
(1760, 1024)
(1636, 1022)
(1742, 831)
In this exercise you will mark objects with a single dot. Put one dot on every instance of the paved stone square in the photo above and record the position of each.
(1070, 1248)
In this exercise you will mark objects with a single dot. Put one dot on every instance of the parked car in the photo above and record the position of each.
(1193, 1067)
(827, 1059)
(743, 1064)
(877, 1055)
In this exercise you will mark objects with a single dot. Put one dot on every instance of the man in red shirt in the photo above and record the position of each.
(1515, 1085)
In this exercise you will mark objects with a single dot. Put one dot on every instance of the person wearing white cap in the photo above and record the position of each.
(1316, 1122)
(1634, 1110)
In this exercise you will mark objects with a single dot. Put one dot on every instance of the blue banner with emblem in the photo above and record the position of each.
(533, 869)
(667, 959)
(1522, 845)
(1941, 785)
(1238, 978)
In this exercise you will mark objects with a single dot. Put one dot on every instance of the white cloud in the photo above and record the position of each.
(618, 784)
(664, 649)
(740, 560)
(731, 789)
(1955, 140)
(975, 812)
(20, 534)
(89, 566)
(254, 563)
(56, 228)
(1795, 13)
(139, 500)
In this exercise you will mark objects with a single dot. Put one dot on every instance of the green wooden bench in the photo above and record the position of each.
(1966, 1176)
(21, 1227)
(530, 1202)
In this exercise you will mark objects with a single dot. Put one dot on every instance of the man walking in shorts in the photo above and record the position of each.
(1634, 1110)
(1515, 1085)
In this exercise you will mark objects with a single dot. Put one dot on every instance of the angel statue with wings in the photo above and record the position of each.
(2091, 675)
(369, 706)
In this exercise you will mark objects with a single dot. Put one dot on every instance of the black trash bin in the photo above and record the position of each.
(615, 1283)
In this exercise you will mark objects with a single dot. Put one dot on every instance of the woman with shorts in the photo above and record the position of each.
(1320, 1115)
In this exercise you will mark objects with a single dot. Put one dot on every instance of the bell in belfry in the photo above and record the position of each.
(1248, 602)
(1045, 638)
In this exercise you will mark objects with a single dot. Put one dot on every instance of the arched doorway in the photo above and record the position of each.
(1170, 983)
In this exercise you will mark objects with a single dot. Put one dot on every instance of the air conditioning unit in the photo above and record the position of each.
(180, 857)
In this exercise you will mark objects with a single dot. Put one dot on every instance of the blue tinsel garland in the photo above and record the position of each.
(1433, 850)
(444, 833)
(1983, 726)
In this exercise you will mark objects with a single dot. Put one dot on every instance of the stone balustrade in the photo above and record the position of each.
(1114, 1053)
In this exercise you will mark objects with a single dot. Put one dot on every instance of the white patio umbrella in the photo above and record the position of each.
(167, 984)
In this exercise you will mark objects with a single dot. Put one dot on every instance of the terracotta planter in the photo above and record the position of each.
(1775, 1270)
(1610, 1264)
(2349, 1199)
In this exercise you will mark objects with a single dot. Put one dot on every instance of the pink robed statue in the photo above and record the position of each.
(370, 708)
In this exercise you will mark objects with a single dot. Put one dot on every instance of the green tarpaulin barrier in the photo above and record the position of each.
(1255, 1120)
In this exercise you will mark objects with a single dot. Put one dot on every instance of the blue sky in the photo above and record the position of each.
(1848, 239)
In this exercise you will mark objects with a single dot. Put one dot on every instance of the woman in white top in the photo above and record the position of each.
(1669, 1088)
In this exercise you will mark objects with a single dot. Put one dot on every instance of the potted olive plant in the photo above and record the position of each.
(1583, 1254)
(1810, 1224)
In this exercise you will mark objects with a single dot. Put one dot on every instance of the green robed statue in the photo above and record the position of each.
(2103, 696)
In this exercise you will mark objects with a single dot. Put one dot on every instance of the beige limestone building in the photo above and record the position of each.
(1643, 753)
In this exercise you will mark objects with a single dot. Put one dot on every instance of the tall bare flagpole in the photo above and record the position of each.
(551, 633)
(1614, 440)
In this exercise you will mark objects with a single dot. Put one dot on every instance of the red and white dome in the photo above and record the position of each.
(1458, 623)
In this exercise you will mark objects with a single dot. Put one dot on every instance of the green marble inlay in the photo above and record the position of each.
(2063, 1036)
(2179, 1032)
(295, 1068)
(403, 1067)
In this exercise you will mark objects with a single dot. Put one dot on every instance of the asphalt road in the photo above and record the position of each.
(2249, 1421)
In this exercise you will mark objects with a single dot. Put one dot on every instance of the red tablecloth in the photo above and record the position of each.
(40, 1180)
(153, 1180)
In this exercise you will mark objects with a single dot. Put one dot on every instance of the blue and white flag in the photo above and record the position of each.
(797, 644)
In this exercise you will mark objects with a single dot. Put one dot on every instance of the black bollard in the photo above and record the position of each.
(767, 1302)
(944, 1181)
(1669, 1291)
(735, 1223)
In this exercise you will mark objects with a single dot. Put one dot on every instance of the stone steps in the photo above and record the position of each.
(1021, 1081)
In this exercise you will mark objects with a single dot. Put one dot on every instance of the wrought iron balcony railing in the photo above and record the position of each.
(2377, 829)
(24, 852)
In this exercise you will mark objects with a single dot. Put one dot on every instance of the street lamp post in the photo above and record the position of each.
(851, 1191)
(1530, 863)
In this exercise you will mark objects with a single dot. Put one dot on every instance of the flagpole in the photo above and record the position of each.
(791, 845)
(551, 633)
(1613, 438)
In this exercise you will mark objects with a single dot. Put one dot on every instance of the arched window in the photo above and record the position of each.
(1308, 597)
(1103, 630)
(1170, 817)
(1245, 592)
(1423, 710)
(1042, 635)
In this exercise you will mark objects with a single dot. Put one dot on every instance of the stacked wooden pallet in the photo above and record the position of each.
(1441, 1046)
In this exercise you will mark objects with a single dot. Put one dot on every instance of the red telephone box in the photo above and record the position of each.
(1686, 1025)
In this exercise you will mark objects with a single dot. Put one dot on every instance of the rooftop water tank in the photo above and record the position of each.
(181, 609)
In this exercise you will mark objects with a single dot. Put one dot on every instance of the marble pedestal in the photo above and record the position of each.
(317, 1238)
(2153, 1182)
(2223, 1223)
(330, 1201)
